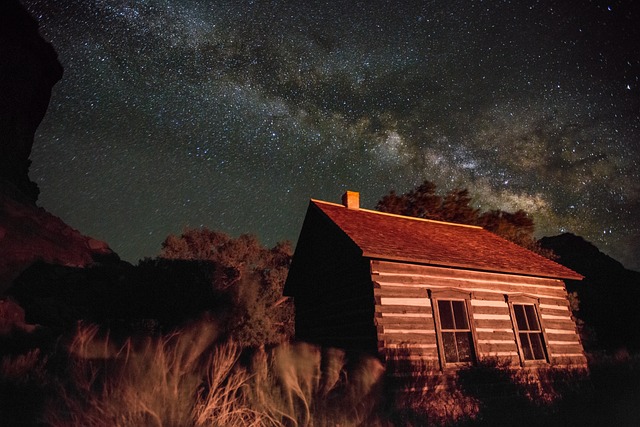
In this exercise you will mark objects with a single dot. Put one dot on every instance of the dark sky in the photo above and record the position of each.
(231, 115)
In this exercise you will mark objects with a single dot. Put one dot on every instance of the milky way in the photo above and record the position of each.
(231, 115)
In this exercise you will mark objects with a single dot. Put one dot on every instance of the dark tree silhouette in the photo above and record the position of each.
(251, 274)
(456, 206)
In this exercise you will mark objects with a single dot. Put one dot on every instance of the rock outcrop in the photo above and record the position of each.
(29, 68)
(29, 234)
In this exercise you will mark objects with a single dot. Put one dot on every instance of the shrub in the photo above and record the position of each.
(150, 382)
(186, 379)
(23, 386)
(250, 275)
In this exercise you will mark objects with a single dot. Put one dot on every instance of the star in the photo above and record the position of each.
(189, 113)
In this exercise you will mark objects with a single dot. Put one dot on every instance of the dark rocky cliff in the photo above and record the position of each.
(29, 68)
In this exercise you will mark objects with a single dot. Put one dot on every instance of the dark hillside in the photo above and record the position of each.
(609, 294)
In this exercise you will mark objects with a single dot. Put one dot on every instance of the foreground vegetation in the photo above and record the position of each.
(147, 365)
(185, 378)
(189, 378)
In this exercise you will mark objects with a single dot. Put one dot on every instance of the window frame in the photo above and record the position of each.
(523, 299)
(452, 295)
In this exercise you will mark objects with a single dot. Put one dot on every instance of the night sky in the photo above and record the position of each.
(232, 114)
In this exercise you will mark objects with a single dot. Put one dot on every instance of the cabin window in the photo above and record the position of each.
(528, 329)
(457, 341)
(529, 332)
(453, 326)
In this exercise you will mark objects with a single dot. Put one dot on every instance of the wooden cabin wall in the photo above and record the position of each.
(332, 289)
(404, 317)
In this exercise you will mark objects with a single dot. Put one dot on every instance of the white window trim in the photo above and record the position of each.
(452, 294)
(524, 299)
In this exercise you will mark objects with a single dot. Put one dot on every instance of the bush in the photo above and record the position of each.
(189, 378)
(185, 379)
(250, 275)
(23, 387)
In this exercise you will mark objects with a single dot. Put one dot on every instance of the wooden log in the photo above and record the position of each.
(408, 322)
(398, 292)
(404, 351)
(572, 331)
(495, 335)
(565, 324)
(420, 302)
(539, 292)
(501, 316)
(409, 326)
(560, 302)
(493, 330)
(403, 309)
(382, 267)
(407, 345)
(494, 346)
(554, 308)
(486, 303)
(427, 337)
(404, 315)
(493, 323)
(504, 310)
(569, 338)
(560, 350)
(556, 315)
(399, 340)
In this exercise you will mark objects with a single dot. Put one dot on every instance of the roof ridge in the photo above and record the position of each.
(413, 218)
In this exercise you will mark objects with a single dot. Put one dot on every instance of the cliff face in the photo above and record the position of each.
(29, 234)
(29, 68)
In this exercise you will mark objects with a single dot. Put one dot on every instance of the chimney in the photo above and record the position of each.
(351, 200)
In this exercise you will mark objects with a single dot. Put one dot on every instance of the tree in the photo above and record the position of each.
(456, 206)
(421, 202)
(251, 274)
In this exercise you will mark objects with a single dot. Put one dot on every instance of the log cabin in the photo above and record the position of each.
(445, 294)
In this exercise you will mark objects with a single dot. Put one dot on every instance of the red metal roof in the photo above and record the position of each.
(393, 237)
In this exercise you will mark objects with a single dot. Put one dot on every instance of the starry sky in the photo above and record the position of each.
(232, 114)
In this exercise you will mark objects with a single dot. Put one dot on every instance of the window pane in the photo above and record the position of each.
(521, 320)
(460, 315)
(531, 339)
(532, 318)
(457, 341)
(526, 346)
(536, 346)
(449, 344)
(446, 317)
(465, 346)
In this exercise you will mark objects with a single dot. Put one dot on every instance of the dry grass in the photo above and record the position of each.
(185, 379)
(22, 366)
(422, 395)
(222, 400)
(147, 383)
(301, 385)
(23, 386)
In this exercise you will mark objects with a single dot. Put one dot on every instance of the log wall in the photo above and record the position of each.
(405, 324)
(331, 286)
